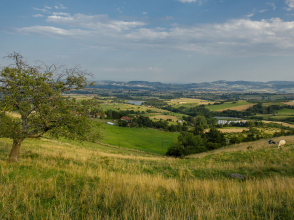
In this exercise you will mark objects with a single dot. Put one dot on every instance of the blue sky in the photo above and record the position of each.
(171, 41)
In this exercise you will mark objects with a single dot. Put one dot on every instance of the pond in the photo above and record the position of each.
(135, 102)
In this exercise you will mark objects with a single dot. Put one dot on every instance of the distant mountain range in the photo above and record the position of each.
(221, 85)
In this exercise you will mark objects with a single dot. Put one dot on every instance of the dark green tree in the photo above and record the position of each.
(36, 93)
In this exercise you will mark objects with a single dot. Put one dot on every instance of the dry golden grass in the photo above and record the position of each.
(232, 130)
(237, 108)
(164, 117)
(289, 103)
(190, 101)
(243, 147)
(65, 181)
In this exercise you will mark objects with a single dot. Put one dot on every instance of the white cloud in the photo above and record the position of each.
(93, 22)
(40, 9)
(47, 7)
(53, 31)
(185, 1)
(243, 37)
(38, 15)
(250, 15)
(272, 5)
(59, 6)
(290, 4)
(263, 10)
(144, 13)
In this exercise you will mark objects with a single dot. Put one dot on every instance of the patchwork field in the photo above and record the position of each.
(228, 105)
(124, 107)
(164, 117)
(237, 108)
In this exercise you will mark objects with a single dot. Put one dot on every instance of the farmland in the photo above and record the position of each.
(228, 105)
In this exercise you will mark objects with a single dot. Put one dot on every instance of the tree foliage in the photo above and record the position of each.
(35, 92)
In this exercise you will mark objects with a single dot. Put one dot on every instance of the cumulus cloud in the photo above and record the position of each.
(290, 4)
(243, 37)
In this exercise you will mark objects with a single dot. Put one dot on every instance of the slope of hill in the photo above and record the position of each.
(221, 85)
(59, 180)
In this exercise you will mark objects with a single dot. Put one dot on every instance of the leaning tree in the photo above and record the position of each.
(37, 93)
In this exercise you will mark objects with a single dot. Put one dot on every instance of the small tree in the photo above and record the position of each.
(35, 92)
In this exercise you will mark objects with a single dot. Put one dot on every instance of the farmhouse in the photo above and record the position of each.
(125, 118)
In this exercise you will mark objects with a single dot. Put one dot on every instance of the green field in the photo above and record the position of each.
(148, 140)
(226, 105)
(286, 112)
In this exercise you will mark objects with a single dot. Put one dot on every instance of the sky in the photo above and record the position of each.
(169, 41)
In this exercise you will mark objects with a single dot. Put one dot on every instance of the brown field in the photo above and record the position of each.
(233, 130)
(289, 103)
(164, 117)
(237, 108)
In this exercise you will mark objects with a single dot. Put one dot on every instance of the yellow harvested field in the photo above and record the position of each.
(185, 101)
(164, 117)
(289, 103)
(233, 130)
(237, 108)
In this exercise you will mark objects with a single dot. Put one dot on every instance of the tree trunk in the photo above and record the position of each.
(13, 157)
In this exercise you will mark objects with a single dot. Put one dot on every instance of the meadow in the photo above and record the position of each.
(56, 180)
(229, 105)
(142, 139)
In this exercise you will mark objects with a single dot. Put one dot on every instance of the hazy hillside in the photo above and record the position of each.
(221, 85)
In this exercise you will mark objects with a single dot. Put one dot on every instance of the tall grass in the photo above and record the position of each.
(55, 180)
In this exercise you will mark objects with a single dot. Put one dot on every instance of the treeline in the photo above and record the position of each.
(196, 142)
(112, 114)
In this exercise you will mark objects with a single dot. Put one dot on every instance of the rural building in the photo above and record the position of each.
(127, 119)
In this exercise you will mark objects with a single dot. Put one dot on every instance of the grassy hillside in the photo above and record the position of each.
(148, 140)
(55, 180)
(227, 105)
